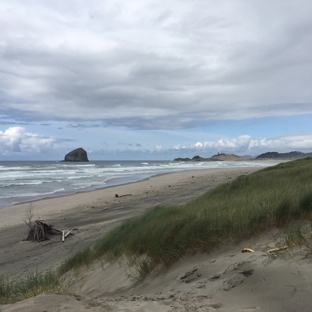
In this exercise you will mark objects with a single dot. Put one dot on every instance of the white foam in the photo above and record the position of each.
(40, 179)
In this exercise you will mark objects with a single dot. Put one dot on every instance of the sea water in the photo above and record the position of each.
(32, 180)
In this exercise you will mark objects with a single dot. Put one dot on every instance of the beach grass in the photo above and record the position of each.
(248, 205)
(277, 196)
(81, 258)
(33, 284)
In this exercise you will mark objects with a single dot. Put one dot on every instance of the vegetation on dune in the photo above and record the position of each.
(32, 285)
(274, 196)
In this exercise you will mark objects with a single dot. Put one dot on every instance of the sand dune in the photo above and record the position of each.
(224, 280)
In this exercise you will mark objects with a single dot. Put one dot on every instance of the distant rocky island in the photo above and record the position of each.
(77, 155)
(264, 156)
(218, 157)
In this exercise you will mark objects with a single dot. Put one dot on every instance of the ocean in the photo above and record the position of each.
(26, 181)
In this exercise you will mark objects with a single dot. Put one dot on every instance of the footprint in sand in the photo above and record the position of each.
(244, 271)
(233, 282)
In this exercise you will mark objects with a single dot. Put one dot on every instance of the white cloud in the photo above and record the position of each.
(284, 144)
(158, 148)
(198, 145)
(245, 144)
(237, 144)
(17, 140)
(240, 143)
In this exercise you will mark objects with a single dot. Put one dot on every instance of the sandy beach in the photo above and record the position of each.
(225, 280)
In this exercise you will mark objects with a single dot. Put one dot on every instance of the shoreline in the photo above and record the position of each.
(94, 214)
(86, 190)
(69, 201)
(223, 280)
(44, 191)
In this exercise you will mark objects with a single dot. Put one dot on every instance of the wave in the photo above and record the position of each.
(21, 184)
(39, 180)
(76, 177)
(5, 168)
(34, 194)
(77, 165)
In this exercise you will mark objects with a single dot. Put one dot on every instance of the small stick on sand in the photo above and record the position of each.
(247, 250)
(278, 249)
(68, 233)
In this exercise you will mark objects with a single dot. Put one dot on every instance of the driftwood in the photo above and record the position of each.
(39, 231)
(247, 250)
(280, 248)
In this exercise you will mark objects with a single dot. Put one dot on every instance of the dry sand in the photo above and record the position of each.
(225, 280)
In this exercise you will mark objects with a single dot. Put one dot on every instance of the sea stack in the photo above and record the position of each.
(79, 154)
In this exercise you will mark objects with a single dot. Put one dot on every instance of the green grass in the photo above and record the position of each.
(80, 258)
(33, 284)
(274, 196)
(299, 234)
(248, 205)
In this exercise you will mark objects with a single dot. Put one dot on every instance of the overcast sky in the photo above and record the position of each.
(154, 79)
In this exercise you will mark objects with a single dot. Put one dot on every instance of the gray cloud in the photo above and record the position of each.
(155, 64)
(130, 144)
(4, 122)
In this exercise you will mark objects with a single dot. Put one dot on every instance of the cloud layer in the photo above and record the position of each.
(246, 145)
(155, 64)
(16, 140)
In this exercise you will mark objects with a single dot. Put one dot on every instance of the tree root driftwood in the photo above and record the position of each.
(39, 231)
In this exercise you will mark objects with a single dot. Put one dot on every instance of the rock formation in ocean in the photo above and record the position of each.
(79, 154)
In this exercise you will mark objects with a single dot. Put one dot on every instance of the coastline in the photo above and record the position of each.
(94, 213)
(22, 183)
(225, 280)
(46, 207)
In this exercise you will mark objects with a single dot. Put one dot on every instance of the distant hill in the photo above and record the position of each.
(286, 156)
(218, 157)
(233, 157)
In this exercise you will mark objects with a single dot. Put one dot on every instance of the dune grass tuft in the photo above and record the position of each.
(79, 259)
(33, 284)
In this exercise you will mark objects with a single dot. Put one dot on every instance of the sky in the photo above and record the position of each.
(157, 79)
